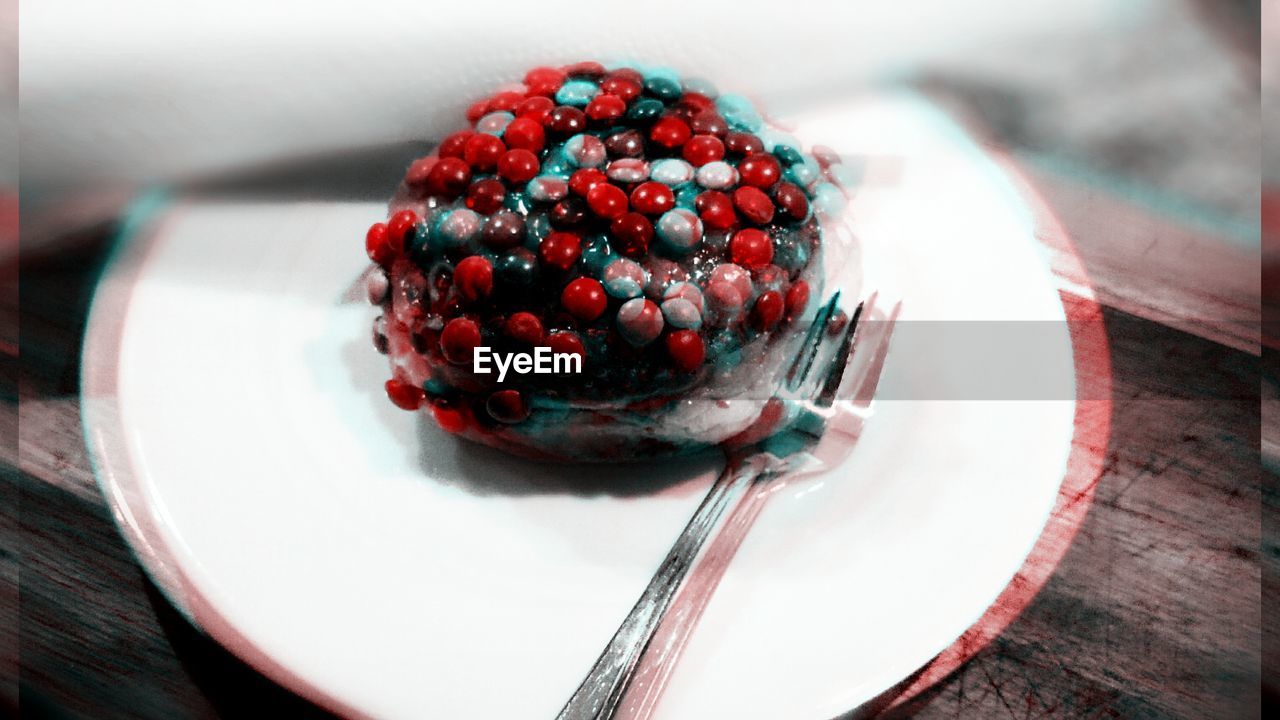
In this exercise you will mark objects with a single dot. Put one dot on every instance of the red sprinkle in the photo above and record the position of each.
(607, 201)
(449, 178)
(543, 80)
(625, 84)
(702, 149)
(581, 181)
(697, 102)
(560, 249)
(716, 210)
(760, 169)
(458, 340)
(709, 122)
(587, 69)
(605, 108)
(524, 327)
(474, 278)
(630, 234)
(477, 110)
(404, 395)
(584, 298)
(767, 311)
(506, 101)
(536, 108)
(797, 299)
(507, 406)
(686, 349)
(450, 417)
(652, 198)
(419, 170)
(670, 132)
(525, 133)
(453, 145)
(486, 196)
(482, 151)
(740, 143)
(400, 228)
(565, 120)
(518, 166)
(566, 342)
(751, 248)
(378, 245)
(753, 204)
(791, 200)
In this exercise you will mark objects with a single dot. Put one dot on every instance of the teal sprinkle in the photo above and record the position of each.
(827, 199)
(744, 122)
(434, 386)
(516, 201)
(577, 93)
(790, 255)
(687, 197)
(420, 245)
(558, 165)
(645, 110)
(739, 113)
(787, 155)
(734, 103)
(663, 88)
(773, 138)
(661, 72)
(536, 227)
(598, 254)
(804, 174)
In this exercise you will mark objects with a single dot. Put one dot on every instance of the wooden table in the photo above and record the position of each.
(1154, 611)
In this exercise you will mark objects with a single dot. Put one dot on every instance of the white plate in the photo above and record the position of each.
(234, 407)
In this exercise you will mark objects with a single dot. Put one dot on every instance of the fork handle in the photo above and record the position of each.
(600, 694)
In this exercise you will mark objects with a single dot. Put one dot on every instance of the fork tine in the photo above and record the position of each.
(800, 368)
(861, 393)
(840, 360)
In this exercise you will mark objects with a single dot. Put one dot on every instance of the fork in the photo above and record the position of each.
(811, 385)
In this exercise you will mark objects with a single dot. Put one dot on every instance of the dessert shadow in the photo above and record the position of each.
(483, 470)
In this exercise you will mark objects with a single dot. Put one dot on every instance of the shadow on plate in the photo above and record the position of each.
(483, 470)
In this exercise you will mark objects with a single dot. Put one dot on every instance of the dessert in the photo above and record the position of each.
(609, 263)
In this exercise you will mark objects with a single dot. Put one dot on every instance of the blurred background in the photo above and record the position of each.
(1138, 121)
(1155, 98)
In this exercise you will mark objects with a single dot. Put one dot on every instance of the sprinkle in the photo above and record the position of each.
(680, 229)
(458, 228)
(806, 173)
(584, 151)
(624, 279)
(672, 172)
(681, 313)
(494, 123)
(628, 170)
(827, 199)
(545, 188)
(576, 93)
(640, 321)
(718, 175)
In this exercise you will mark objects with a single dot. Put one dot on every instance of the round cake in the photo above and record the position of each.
(606, 264)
